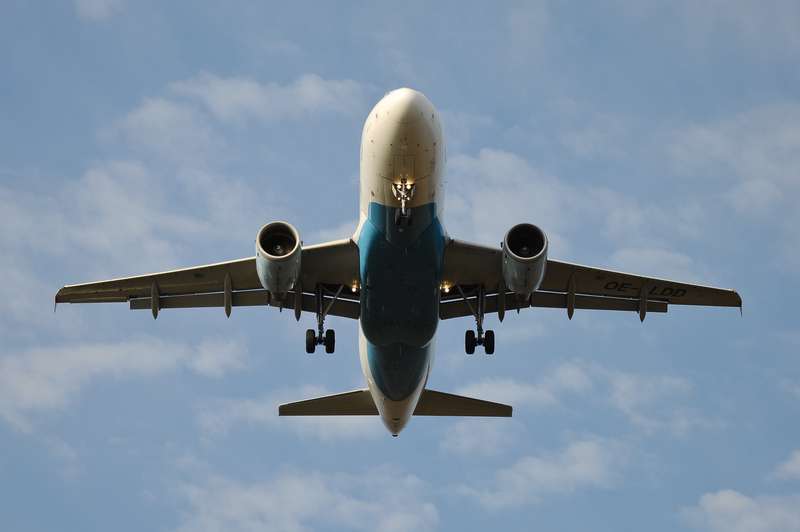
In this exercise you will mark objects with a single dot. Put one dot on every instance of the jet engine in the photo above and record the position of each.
(524, 258)
(278, 257)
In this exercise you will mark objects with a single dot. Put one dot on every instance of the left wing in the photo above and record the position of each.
(230, 284)
(565, 285)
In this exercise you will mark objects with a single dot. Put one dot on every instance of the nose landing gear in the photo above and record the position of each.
(404, 193)
(475, 338)
(322, 336)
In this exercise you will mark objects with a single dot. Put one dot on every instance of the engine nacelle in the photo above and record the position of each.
(278, 254)
(524, 258)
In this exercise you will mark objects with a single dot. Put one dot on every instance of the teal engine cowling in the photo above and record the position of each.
(524, 258)
(278, 252)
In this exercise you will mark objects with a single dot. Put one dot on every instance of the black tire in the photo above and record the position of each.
(488, 342)
(330, 341)
(469, 342)
(311, 341)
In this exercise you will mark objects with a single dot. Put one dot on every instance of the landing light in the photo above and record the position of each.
(354, 288)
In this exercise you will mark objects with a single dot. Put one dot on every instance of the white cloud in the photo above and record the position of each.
(479, 437)
(215, 358)
(219, 417)
(587, 463)
(380, 500)
(754, 196)
(790, 469)
(494, 190)
(756, 155)
(759, 149)
(241, 99)
(491, 436)
(597, 135)
(97, 9)
(43, 379)
(655, 403)
(569, 377)
(510, 391)
(651, 403)
(176, 131)
(731, 511)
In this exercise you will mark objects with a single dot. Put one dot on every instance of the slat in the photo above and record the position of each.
(457, 308)
(345, 308)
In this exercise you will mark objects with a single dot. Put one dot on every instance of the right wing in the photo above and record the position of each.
(231, 284)
(566, 285)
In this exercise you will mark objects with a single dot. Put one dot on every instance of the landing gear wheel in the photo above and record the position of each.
(311, 341)
(469, 342)
(488, 342)
(330, 341)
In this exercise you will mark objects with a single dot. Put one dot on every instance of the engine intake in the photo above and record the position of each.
(278, 254)
(524, 258)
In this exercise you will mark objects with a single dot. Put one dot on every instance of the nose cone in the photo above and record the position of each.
(405, 106)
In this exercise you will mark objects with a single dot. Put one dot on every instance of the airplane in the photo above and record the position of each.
(398, 275)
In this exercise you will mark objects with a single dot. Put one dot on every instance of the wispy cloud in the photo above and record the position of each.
(239, 99)
(789, 469)
(758, 150)
(655, 403)
(568, 377)
(498, 189)
(305, 500)
(176, 131)
(96, 10)
(732, 511)
(480, 437)
(582, 464)
(651, 403)
(43, 379)
(218, 418)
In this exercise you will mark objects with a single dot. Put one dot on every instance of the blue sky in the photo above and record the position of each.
(660, 138)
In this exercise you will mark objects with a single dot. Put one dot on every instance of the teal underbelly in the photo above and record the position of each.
(400, 273)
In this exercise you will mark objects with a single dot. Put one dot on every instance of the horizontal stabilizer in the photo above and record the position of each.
(355, 403)
(359, 403)
(433, 403)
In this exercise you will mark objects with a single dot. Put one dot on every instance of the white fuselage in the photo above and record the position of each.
(402, 164)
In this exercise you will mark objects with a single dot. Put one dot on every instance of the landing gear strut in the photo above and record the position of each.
(404, 193)
(475, 338)
(322, 336)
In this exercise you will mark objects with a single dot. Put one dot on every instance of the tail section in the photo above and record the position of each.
(360, 403)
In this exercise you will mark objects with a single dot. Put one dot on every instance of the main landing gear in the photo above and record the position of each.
(321, 336)
(475, 338)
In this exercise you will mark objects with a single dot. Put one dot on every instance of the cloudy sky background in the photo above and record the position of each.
(661, 138)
